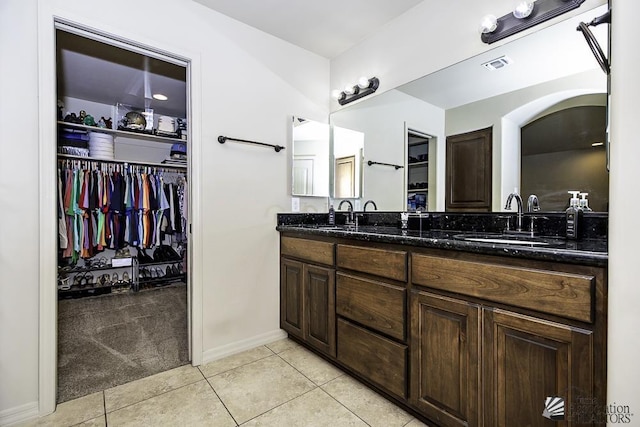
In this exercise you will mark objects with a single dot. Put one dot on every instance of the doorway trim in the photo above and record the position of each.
(47, 333)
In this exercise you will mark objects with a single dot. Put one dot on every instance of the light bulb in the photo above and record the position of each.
(523, 9)
(363, 82)
(336, 94)
(349, 89)
(488, 24)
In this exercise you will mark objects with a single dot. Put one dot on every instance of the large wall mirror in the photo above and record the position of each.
(544, 97)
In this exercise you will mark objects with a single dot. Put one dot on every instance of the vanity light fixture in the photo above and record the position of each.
(365, 86)
(526, 14)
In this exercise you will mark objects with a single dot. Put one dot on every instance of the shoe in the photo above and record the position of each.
(159, 272)
(168, 272)
(122, 253)
(160, 254)
(143, 258)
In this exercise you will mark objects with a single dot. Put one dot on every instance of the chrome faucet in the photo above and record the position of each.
(519, 202)
(349, 210)
(533, 205)
(375, 207)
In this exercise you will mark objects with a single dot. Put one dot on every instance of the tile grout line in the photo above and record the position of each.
(277, 406)
(148, 398)
(239, 366)
(221, 401)
(343, 405)
(301, 373)
(104, 407)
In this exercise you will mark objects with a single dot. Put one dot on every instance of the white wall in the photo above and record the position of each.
(624, 270)
(384, 120)
(251, 85)
(19, 208)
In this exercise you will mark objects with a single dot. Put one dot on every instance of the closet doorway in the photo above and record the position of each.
(123, 181)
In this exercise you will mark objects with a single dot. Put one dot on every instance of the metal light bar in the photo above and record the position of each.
(543, 10)
(346, 98)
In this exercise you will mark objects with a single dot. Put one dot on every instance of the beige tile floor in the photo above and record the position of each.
(280, 384)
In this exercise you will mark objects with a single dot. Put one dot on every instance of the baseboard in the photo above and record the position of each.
(11, 416)
(242, 345)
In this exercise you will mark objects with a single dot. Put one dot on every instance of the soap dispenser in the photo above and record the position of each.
(332, 215)
(584, 203)
(574, 216)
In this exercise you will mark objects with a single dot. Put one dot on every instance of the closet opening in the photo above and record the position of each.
(417, 153)
(123, 179)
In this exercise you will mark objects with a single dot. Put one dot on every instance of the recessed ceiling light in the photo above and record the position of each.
(160, 97)
(597, 144)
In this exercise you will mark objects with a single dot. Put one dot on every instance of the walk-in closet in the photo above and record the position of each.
(123, 212)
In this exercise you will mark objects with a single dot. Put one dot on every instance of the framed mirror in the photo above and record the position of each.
(311, 148)
(348, 155)
(511, 89)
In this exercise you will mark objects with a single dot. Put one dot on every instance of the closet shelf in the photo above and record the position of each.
(123, 133)
(88, 269)
(155, 263)
(122, 162)
(422, 163)
(418, 190)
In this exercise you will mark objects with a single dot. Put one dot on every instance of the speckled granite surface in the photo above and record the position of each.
(453, 231)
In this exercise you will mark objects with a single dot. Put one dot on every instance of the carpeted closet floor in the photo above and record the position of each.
(113, 339)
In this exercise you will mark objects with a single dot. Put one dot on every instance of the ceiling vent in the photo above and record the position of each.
(496, 64)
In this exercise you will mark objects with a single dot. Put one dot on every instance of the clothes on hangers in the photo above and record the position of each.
(105, 205)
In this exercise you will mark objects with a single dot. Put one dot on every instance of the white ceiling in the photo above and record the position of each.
(327, 27)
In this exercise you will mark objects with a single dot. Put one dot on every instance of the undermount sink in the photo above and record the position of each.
(507, 239)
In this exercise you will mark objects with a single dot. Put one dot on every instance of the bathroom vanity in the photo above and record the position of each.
(458, 331)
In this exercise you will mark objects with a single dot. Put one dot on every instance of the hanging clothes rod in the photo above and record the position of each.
(223, 139)
(384, 164)
(63, 157)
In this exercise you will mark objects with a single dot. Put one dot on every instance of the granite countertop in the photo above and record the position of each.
(586, 251)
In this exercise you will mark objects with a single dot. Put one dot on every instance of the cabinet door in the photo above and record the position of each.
(528, 360)
(320, 308)
(291, 297)
(445, 359)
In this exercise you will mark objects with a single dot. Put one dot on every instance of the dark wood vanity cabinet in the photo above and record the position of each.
(514, 335)
(463, 339)
(307, 293)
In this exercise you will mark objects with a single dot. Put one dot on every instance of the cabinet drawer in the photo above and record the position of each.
(563, 294)
(376, 358)
(375, 304)
(383, 263)
(312, 250)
